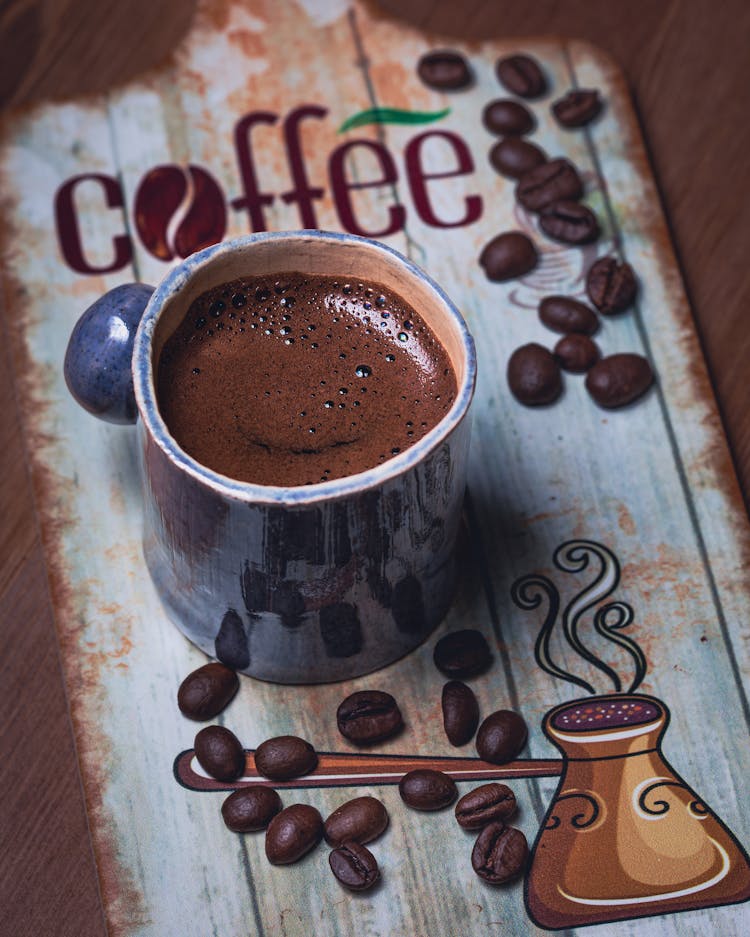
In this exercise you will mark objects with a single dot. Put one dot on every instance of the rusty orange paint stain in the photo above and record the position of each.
(249, 43)
(53, 495)
(625, 520)
(116, 500)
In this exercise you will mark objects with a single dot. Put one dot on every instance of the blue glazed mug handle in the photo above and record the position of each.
(98, 360)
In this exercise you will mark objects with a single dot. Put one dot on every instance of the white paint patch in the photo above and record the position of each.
(324, 12)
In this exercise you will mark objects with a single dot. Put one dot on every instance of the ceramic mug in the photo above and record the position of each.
(300, 584)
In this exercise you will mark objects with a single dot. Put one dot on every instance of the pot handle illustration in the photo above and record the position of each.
(98, 360)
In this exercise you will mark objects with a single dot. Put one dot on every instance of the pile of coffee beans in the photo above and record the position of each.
(552, 189)
(365, 718)
(535, 374)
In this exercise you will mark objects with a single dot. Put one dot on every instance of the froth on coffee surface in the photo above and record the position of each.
(610, 714)
(292, 379)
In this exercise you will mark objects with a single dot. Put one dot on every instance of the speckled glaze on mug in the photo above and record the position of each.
(315, 583)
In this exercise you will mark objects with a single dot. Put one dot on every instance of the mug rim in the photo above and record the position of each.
(375, 477)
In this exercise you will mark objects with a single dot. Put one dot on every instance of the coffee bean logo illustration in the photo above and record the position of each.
(179, 210)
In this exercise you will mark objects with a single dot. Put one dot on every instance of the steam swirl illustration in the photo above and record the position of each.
(575, 556)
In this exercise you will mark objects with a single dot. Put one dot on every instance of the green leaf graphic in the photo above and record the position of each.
(391, 115)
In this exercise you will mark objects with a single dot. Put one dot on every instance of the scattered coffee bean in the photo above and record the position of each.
(285, 757)
(577, 107)
(509, 255)
(220, 753)
(369, 716)
(507, 118)
(354, 866)
(514, 158)
(501, 737)
(425, 789)
(292, 833)
(251, 808)
(569, 222)
(486, 804)
(534, 375)
(361, 819)
(576, 353)
(206, 691)
(500, 854)
(460, 712)
(521, 75)
(619, 380)
(462, 653)
(444, 70)
(611, 285)
(551, 182)
(563, 314)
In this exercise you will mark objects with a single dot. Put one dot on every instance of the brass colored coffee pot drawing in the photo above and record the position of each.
(625, 837)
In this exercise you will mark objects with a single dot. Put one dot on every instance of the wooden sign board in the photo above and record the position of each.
(245, 125)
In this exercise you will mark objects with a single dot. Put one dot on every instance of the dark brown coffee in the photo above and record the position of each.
(291, 379)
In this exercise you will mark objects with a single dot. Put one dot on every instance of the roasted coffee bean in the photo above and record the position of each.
(361, 819)
(563, 314)
(534, 375)
(501, 737)
(462, 653)
(521, 75)
(514, 158)
(576, 353)
(169, 227)
(220, 753)
(369, 716)
(354, 866)
(460, 712)
(292, 833)
(500, 854)
(577, 107)
(551, 182)
(425, 789)
(444, 70)
(569, 222)
(507, 118)
(284, 757)
(509, 255)
(251, 808)
(619, 380)
(486, 804)
(206, 691)
(611, 285)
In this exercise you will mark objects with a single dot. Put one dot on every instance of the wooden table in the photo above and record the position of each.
(686, 62)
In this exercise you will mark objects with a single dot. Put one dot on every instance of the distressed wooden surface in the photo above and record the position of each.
(691, 595)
